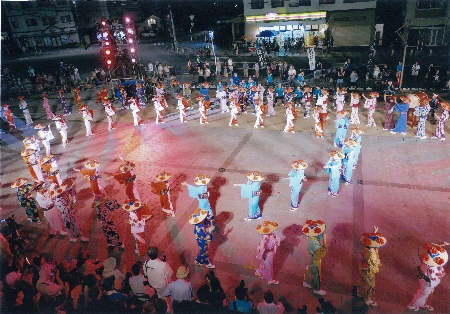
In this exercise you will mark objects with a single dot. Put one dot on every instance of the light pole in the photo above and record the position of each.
(173, 30)
(405, 42)
(192, 24)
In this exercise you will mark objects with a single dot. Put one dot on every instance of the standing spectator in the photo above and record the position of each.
(385, 74)
(376, 72)
(340, 75)
(429, 77)
(415, 71)
(347, 64)
(217, 297)
(318, 72)
(150, 69)
(353, 78)
(218, 67)
(270, 305)
(207, 74)
(160, 71)
(32, 74)
(256, 67)
(245, 68)
(330, 44)
(158, 272)
(399, 70)
(180, 289)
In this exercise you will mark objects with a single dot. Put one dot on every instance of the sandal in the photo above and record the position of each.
(258, 276)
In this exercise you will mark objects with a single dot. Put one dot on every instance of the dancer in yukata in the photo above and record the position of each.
(315, 231)
(252, 191)
(341, 123)
(355, 102)
(389, 103)
(161, 188)
(202, 231)
(200, 192)
(371, 105)
(348, 161)
(266, 251)
(402, 107)
(422, 112)
(333, 167)
(296, 179)
(104, 207)
(439, 133)
(356, 136)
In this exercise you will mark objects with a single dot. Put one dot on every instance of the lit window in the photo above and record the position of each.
(257, 4)
(430, 4)
(277, 3)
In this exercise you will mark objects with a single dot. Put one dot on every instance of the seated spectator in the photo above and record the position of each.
(85, 265)
(242, 303)
(53, 291)
(109, 269)
(139, 284)
(112, 295)
(201, 305)
(158, 272)
(160, 306)
(217, 297)
(270, 305)
(179, 290)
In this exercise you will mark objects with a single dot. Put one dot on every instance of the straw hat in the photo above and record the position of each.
(224, 87)
(46, 159)
(58, 190)
(373, 239)
(267, 227)
(57, 117)
(445, 105)
(132, 205)
(335, 154)
(61, 91)
(182, 272)
(163, 176)
(40, 126)
(127, 166)
(198, 216)
(325, 91)
(271, 89)
(18, 182)
(242, 89)
(84, 107)
(206, 84)
(350, 142)
(299, 164)
(200, 97)
(187, 84)
(76, 90)
(20, 97)
(27, 152)
(99, 200)
(433, 254)
(202, 179)
(313, 228)
(109, 264)
(92, 164)
(404, 98)
(374, 94)
(342, 112)
(179, 96)
(253, 88)
(288, 104)
(356, 95)
(357, 130)
(255, 176)
(29, 140)
(307, 88)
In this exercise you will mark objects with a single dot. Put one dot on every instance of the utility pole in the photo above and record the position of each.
(173, 30)
(405, 42)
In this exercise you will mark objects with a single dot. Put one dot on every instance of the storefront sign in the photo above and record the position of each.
(312, 58)
(286, 17)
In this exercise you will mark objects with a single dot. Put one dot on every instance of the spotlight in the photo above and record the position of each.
(132, 50)
(108, 62)
(130, 40)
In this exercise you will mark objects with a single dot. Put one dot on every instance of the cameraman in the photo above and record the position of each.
(242, 303)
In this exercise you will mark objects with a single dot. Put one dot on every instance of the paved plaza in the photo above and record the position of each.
(401, 185)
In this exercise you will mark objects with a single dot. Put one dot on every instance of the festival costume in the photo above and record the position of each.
(296, 178)
(203, 236)
(7, 113)
(200, 192)
(422, 112)
(187, 90)
(319, 120)
(252, 191)
(140, 95)
(182, 105)
(202, 109)
(289, 119)
(355, 103)
(356, 136)
(234, 110)
(88, 116)
(51, 213)
(135, 109)
(103, 207)
(92, 175)
(431, 270)
(340, 100)
(322, 100)
(138, 213)
(123, 97)
(341, 123)
(24, 107)
(101, 95)
(110, 112)
(307, 98)
(400, 125)
(62, 100)
(242, 99)
(46, 105)
(159, 108)
(45, 137)
(24, 191)
(270, 109)
(388, 105)
(162, 189)
(440, 133)
(61, 126)
(369, 264)
(333, 168)
(33, 164)
(348, 160)
(266, 250)
(314, 230)
(128, 178)
(50, 166)
(77, 98)
(260, 108)
(371, 105)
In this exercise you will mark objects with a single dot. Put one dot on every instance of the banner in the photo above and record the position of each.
(312, 58)
(261, 57)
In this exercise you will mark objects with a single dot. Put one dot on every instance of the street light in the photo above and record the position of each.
(192, 24)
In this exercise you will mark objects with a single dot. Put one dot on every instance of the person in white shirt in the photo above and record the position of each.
(158, 272)
(88, 116)
(24, 107)
(134, 107)
(45, 137)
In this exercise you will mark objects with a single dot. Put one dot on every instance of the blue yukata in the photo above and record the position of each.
(203, 237)
(296, 177)
(269, 79)
(140, 96)
(400, 126)
(200, 192)
(251, 100)
(341, 125)
(298, 94)
(348, 163)
(235, 80)
(357, 148)
(252, 192)
(66, 109)
(287, 98)
(334, 170)
(205, 92)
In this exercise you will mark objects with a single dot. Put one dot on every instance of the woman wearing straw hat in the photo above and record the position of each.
(355, 102)
(182, 105)
(88, 116)
(161, 188)
(45, 137)
(371, 105)
(296, 178)
(92, 175)
(200, 192)
(439, 133)
(136, 220)
(202, 230)
(63, 202)
(341, 123)
(234, 110)
(356, 136)
(50, 166)
(127, 177)
(202, 108)
(7, 113)
(319, 120)
(315, 231)
(259, 114)
(109, 112)
(333, 167)
(158, 102)
(289, 128)
(103, 206)
(51, 213)
(348, 161)
(389, 103)
(24, 191)
(61, 126)
(266, 251)
(46, 105)
(369, 264)
(431, 270)
(270, 110)
(402, 107)
(134, 107)
(62, 100)
(252, 191)
(307, 98)
(422, 112)
(34, 167)
(24, 107)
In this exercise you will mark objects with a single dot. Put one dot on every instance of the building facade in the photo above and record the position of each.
(350, 22)
(34, 24)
